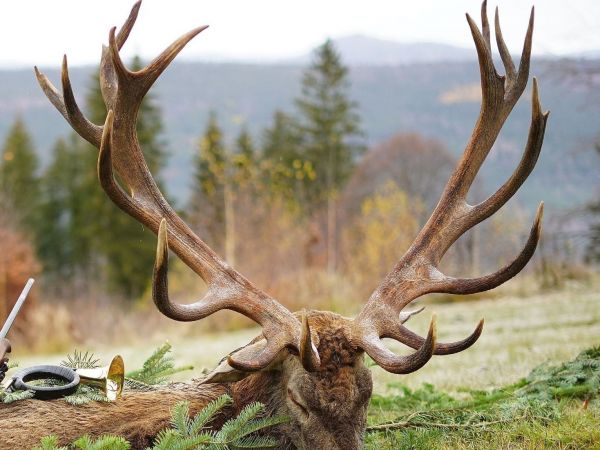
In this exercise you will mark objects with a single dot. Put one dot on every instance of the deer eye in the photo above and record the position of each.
(295, 401)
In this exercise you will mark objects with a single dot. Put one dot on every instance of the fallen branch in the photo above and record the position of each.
(408, 423)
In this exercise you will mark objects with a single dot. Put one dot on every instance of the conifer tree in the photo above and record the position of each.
(244, 160)
(281, 140)
(287, 170)
(18, 174)
(66, 230)
(208, 196)
(330, 131)
(328, 122)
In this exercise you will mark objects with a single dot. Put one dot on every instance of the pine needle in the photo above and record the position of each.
(80, 360)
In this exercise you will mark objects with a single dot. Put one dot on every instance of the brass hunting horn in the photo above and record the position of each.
(109, 378)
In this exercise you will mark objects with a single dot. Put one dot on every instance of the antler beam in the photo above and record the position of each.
(417, 272)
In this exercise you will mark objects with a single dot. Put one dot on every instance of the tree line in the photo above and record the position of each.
(299, 163)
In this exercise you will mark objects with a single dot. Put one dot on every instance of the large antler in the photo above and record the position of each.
(417, 272)
(123, 92)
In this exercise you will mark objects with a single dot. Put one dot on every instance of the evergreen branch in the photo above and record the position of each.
(187, 433)
(49, 443)
(209, 412)
(261, 423)
(85, 394)
(191, 442)
(137, 385)
(180, 418)
(233, 428)
(165, 440)
(158, 367)
(9, 397)
(408, 423)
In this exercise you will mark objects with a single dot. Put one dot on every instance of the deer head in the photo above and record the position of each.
(312, 363)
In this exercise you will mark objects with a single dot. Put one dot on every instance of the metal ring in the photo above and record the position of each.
(44, 372)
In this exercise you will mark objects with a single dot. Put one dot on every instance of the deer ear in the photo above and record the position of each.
(225, 373)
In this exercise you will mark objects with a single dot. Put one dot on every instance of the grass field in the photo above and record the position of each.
(520, 333)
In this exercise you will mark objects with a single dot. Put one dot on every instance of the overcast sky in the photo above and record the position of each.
(40, 31)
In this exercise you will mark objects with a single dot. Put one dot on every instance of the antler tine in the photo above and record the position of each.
(490, 88)
(523, 73)
(417, 271)
(161, 62)
(309, 356)
(509, 65)
(404, 316)
(108, 77)
(66, 105)
(123, 74)
(393, 363)
(463, 286)
(530, 156)
(51, 92)
(84, 127)
(106, 175)
(123, 33)
(485, 25)
(145, 78)
(209, 304)
(404, 335)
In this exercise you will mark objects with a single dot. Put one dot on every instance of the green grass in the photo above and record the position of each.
(555, 407)
(573, 429)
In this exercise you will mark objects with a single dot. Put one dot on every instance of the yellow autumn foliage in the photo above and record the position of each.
(386, 226)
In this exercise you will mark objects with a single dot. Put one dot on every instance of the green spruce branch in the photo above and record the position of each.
(535, 398)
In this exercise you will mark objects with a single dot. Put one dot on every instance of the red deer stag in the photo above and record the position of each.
(309, 366)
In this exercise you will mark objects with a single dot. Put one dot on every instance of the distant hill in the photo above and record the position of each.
(360, 50)
(435, 99)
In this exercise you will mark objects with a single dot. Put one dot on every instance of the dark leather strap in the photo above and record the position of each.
(44, 372)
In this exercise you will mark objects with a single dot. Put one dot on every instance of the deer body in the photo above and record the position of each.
(309, 365)
(137, 416)
(328, 407)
